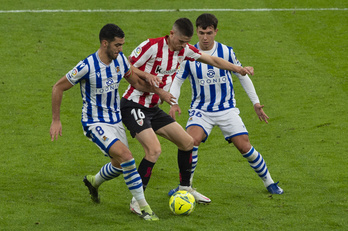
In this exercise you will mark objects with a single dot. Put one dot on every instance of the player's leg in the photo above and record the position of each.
(176, 134)
(152, 147)
(235, 131)
(104, 135)
(121, 154)
(198, 135)
(107, 172)
(108, 139)
(138, 121)
(257, 162)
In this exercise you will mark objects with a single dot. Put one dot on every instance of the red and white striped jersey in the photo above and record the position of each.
(154, 56)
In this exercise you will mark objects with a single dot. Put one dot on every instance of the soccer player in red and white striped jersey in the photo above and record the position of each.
(140, 112)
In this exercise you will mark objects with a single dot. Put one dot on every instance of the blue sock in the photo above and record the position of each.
(257, 162)
(107, 172)
(133, 180)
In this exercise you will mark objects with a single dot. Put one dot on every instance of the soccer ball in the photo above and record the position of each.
(182, 203)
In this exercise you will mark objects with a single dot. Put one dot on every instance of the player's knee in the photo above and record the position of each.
(196, 142)
(244, 149)
(153, 153)
(187, 145)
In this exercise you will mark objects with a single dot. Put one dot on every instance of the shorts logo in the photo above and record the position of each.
(140, 122)
(105, 138)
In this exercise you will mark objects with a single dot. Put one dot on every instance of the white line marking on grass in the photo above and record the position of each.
(167, 10)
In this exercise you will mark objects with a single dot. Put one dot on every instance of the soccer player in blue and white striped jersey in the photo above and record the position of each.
(213, 101)
(99, 76)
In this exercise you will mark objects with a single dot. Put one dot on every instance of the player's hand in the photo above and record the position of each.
(55, 130)
(173, 109)
(246, 70)
(153, 80)
(165, 96)
(260, 113)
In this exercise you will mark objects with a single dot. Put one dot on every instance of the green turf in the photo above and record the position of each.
(300, 64)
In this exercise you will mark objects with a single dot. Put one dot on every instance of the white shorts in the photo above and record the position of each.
(229, 122)
(105, 135)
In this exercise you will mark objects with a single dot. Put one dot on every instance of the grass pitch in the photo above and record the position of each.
(300, 76)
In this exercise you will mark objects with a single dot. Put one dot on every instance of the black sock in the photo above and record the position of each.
(185, 166)
(145, 170)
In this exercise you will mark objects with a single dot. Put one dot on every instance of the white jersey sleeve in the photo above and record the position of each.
(248, 87)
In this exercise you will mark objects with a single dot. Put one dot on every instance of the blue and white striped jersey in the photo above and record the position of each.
(212, 88)
(99, 88)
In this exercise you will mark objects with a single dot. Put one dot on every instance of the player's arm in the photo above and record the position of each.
(141, 85)
(249, 88)
(223, 64)
(57, 94)
(147, 77)
(175, 91)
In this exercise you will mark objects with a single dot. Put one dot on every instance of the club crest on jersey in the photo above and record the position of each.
(117, 69)
(137, 51)
(109, 81)
(140, 122)
(210, 73)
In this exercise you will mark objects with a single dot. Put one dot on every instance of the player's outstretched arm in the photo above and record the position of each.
(260, 113)
(57, 95)
(223, 64)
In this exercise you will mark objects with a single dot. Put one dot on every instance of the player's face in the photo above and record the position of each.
(114, 48)
(177, 41)
(206, 37)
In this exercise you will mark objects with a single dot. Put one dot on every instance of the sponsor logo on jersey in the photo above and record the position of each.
(207, 81)
(108, 88)
(159, 70)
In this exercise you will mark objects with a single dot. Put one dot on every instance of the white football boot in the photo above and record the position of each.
(134, 207)
(200, 198)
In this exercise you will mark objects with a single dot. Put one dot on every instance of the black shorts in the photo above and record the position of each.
(137, 118)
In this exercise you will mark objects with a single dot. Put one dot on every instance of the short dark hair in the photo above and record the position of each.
(205, 20)
(184, 26)
(109, 32)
